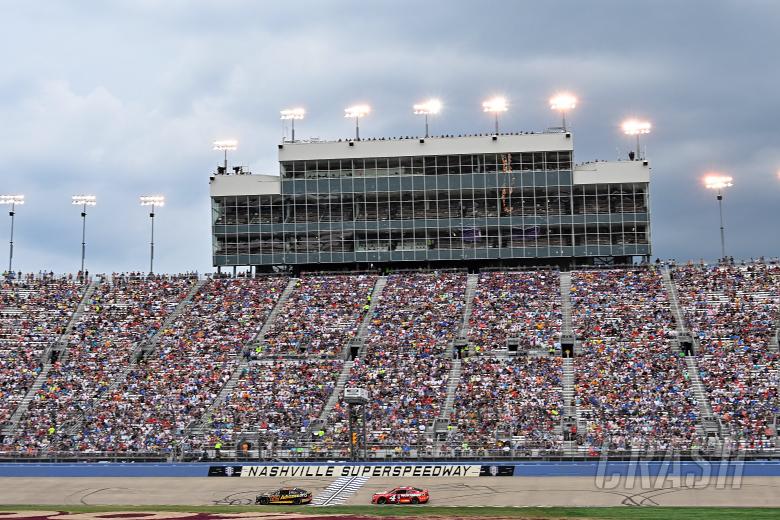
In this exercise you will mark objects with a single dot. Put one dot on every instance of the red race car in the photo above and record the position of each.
(402, 495)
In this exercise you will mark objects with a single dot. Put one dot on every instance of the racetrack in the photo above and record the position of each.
(488, 491)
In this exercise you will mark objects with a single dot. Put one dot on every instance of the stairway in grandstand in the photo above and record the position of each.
(62, 342)
(148, 347)
(452, 386)
(774, 343)
(441, 423)
(570, 409)
(341, 382)
(471, 288)
(60, 345)
(570, 405)
(708, 424)
(198, 428)
(288, 290)
(359, 341)
(674, 303)
(339, 491)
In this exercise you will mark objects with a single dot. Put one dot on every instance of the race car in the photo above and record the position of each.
(284, 496)
(402, 495)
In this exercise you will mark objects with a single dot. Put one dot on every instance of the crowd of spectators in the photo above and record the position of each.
(321, 315)
(733, 310)
(277, 399)
(419, 313)
(195, 357)
(406, 393)
(34, 312)
(508, 402)
(632, 387)
(517, 304)
(67, 413)
(407, 361)
(631, 384)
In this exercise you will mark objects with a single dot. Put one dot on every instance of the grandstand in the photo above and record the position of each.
(456, 365)
(481, 289)
(449, 201)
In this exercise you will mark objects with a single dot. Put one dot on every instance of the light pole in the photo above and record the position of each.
(495, 106)
(153, 201)
(637, 128)
(224, 145)
(563, 102)
(292, 114)
(13, 200)
(357, 111)
(83, 201)
(430, 107)
(719, 183)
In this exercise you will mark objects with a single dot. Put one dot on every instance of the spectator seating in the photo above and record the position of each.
(733, 310)
(66, 413)
(321, 316)
(277, 399)
(34, 312)
(515, 402)
(406, 366)
(516, 304)
(632, 387)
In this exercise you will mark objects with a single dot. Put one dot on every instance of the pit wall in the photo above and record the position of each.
(696, 468)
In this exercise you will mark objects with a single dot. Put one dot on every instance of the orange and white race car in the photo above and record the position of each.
(402, 495)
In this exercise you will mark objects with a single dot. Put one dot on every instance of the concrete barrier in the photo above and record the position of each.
(488, 469)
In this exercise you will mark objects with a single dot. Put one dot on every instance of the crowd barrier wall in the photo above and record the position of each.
(607, 469)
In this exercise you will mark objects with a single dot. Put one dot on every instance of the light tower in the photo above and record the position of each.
(637, 128)
(430, 107)
(224, 145)
(292, 114)
(83, 201)
(154, 201)
(357, 399)
(719, 183)
(495, 106)
(357, 111)
(563, 102)
(13, 200)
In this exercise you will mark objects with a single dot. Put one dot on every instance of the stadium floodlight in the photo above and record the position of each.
(13, 200)
(357, 111)
(154, 201)
(292, 114)
(563, 102)
(495, 106)
(430, 107)
(83, 201)
(636, 127)
(225, 145)
(719, 182)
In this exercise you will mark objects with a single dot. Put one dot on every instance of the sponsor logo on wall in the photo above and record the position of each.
(497, 471)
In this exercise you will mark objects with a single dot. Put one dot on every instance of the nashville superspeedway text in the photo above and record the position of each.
(347, 471)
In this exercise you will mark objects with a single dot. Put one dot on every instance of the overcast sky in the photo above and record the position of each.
(123, 98)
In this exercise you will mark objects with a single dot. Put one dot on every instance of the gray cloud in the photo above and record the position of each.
(124, 98)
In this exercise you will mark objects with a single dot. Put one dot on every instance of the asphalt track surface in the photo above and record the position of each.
(483, 491)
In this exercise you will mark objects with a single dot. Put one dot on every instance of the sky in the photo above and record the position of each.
(123, 98)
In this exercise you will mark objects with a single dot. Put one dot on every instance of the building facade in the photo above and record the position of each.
(508, 199)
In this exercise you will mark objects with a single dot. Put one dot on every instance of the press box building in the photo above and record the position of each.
(507, 199)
